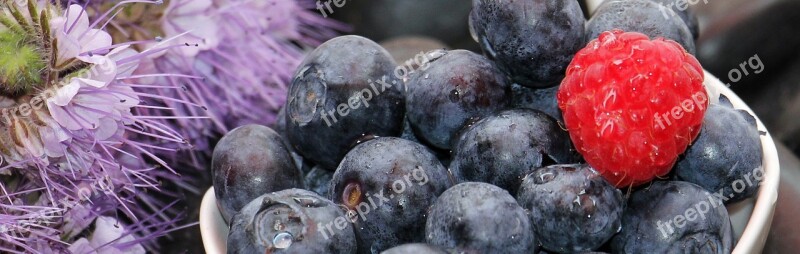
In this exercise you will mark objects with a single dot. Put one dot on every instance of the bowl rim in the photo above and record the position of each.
(214, 233)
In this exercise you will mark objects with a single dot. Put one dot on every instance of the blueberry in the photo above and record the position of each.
(280, 127)
(343, 90)
(501, 148)
(416, 248)
(543, 99)
(408, 134)
(479, 218)
(302, 163)
(290, 221)
(727, 155)
(456, 86)
(247, 162)
(533, 41)
(674, 217)
(573, 208)
(687, 15)
(280, 122)
(387, 183)
(319, 180)
(643, 16)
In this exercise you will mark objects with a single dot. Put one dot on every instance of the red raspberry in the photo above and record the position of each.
(632, 105)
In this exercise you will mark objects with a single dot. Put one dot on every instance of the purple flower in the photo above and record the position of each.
(246, 51)
(70, 116)
(107, 230)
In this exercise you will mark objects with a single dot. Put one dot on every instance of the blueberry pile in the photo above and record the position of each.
(467, 153)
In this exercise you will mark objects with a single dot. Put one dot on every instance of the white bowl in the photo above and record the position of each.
(213, 229)
(751, 218)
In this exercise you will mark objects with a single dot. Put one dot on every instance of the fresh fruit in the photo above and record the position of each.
(643, 16)
(687, 15)
(387, 183)
(408, 134)
(674, 217)
(456, 86)
(344, 90)
(542, 164)
(291, 221)
(727, 156)
(573, 208)
(502, 147)
(543, 99)
(319, 180)
(475, 217)
(279, 125)
(531, 40)
(632, 105)
(415, 248)
(247, 162)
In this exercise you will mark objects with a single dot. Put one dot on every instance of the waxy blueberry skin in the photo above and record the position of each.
(247, 162)
(388, 183)
(343, 91)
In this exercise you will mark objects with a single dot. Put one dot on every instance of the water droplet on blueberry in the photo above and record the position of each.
(454, 95)
(544, 177)
(282, 240)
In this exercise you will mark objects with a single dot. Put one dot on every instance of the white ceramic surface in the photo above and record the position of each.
(751, 218)
(213, 229)
(593, 4)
